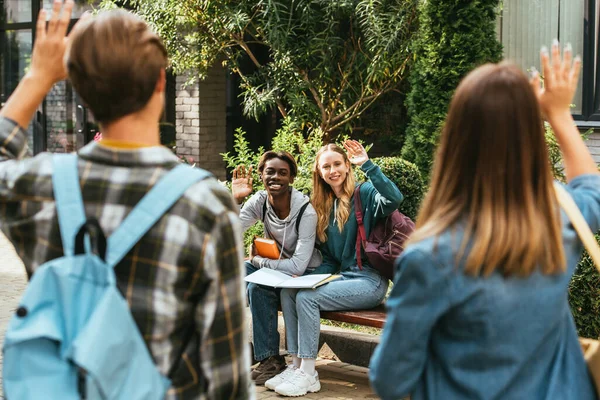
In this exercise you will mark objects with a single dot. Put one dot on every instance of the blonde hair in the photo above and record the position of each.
(322, 197)
(492, 171)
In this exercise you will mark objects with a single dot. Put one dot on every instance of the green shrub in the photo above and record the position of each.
(558, 169)
(584, 297)
(584, 288)
(454, 37)
(407, 177)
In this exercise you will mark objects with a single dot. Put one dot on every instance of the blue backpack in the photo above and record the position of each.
(73, 335)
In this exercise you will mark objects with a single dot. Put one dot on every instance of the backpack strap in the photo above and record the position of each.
(361, 235)
(150, 209)
(299, 217)
(68, 199)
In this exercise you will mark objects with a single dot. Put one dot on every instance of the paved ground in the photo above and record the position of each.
(338, 380)
(12, 284)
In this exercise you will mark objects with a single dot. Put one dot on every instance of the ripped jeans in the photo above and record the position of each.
(356, 290)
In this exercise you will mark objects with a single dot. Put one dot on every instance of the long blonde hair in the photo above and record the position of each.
(322, 197)
(492, 171)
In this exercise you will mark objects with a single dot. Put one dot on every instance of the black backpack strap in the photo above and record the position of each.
(264, 213)
(299, 217)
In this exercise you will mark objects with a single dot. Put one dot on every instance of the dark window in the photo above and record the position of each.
(590, 110)
(524, 26)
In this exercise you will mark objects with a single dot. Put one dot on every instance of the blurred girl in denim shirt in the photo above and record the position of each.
(479, 308)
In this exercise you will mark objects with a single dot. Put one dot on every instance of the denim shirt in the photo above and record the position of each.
(452, 336)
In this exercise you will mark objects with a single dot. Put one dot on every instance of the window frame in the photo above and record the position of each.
(590, 75)
(39, 138)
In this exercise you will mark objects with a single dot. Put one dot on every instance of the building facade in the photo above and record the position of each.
(524, 26)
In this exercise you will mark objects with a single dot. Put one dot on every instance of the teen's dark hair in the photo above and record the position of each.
(282, 155)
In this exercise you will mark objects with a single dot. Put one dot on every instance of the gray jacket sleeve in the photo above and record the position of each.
(251, 211)
(297, 264)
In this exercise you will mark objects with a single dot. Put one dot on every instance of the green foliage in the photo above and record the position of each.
(558, 170)
(255, 230)
(243, 155)
(407, 177)
(584, 287)
(323, 62)
(454, 37)
(584, 297)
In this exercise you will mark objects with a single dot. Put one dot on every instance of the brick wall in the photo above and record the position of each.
(56, 119)
(60, 120)
(200, 121)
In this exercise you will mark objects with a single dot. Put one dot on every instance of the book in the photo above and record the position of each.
(276, 279)
(266, 248)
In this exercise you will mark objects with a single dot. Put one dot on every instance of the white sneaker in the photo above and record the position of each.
(299, 384)
(287, 373)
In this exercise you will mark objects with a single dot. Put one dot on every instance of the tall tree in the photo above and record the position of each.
(454, 37)
(326, 61)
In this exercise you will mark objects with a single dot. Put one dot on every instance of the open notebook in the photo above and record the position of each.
(276, 279)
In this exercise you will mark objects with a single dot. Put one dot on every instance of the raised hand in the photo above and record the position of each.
(356, 152)
(560, 80)
(47, 64)
(241, 184)
(47, 59)
(560, 83)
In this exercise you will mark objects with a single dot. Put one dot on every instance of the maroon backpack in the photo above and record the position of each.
(386, 240)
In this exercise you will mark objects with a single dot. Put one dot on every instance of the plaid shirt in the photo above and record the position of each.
(185, 275)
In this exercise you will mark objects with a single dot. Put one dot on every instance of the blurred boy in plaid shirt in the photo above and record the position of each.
(186, 272)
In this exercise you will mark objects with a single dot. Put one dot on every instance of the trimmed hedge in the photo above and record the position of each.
(454, 37)
(584, 297)
(584, 287)
(407, 177)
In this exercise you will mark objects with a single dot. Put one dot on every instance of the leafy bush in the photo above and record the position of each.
(244, 155)
(584, 297)
(554, 153)
(407, 177)
(454, 37)
(584, 288)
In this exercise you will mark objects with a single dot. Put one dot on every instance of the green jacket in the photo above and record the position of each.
(379, 197)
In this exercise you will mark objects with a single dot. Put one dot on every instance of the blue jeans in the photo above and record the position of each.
(356, 290)
(264, 304)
